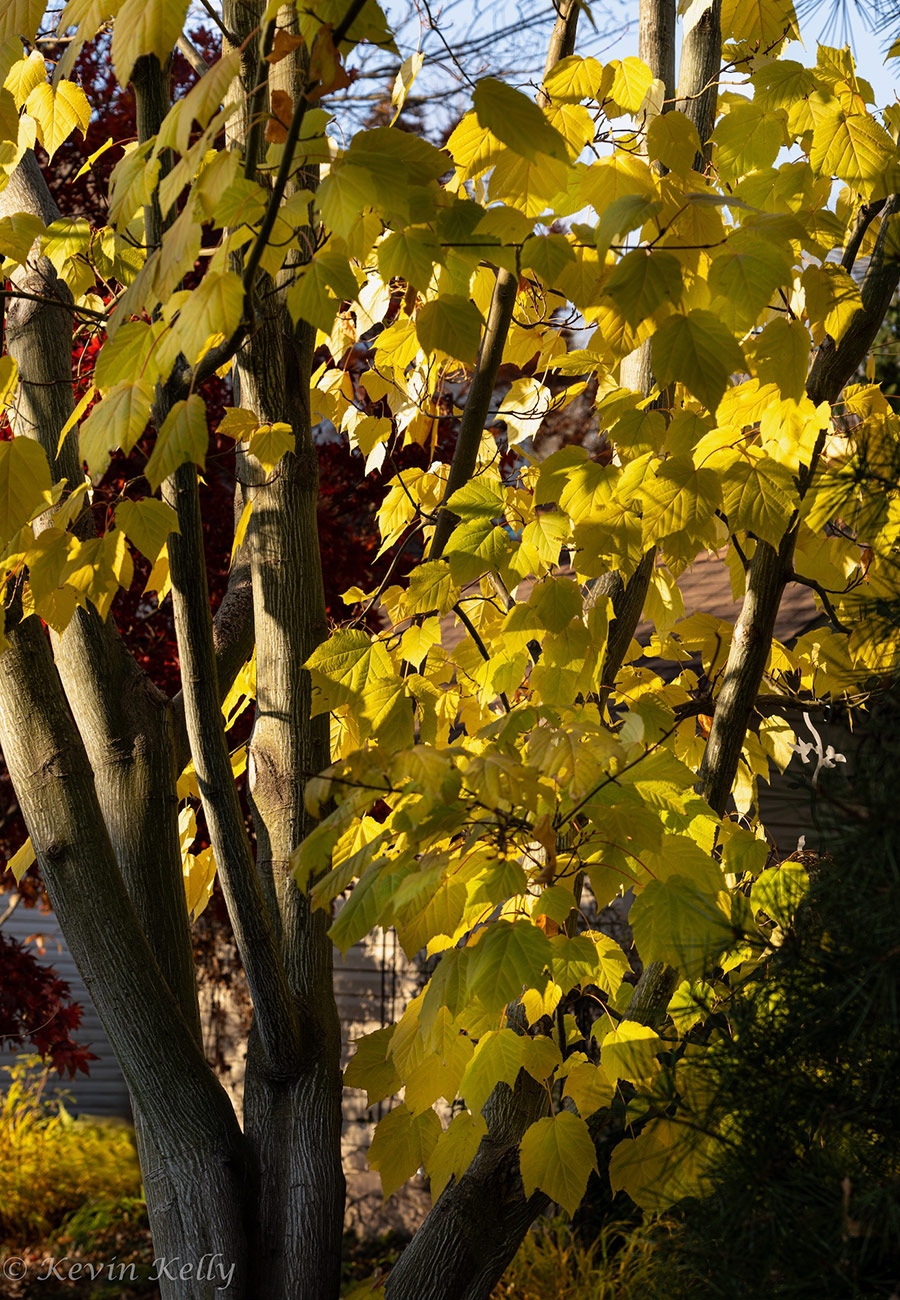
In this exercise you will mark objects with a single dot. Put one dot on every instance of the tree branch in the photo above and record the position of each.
(833, 366)
(481, 392)
(121, 715)
(273, 1005)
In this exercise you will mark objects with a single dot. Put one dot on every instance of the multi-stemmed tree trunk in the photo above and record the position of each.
(94, 751)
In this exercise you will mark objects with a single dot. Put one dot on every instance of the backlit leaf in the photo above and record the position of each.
(511, 956)
(454, 1150)
(402, 1143)
(147, 524)
(557, 1157)
(699, 352)
(24, 481)
(673, 139)
(516, 120)
(675, 922)
(759, 496)
(115, 422)
(58, 112)
(145, 27)
(857, 150)
(642, 281)
(451, 325)
(183, 437)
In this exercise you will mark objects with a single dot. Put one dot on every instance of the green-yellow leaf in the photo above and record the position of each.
(372, 1067)
(629, 1052)
(20, 18)
(58, 112)
(214, 307)
(498, 1059)
(516, 120)
(431, 587)
(409, 70)
(678, 497)
(147, 524)
(183, 437)
(746, 272)
(17, 235)
(145, 27)
(762, 22)
(674, 140)
(455, 1150)
(631, 81)
(117, 421)
(588, 1087)
(21, 860)
(557, 1157)
(853, 147)
(401, 1144)
(675, 922)
(24, 75)
(450, 325)
(9, 378)
(663, 1164)
(270, 443)
(832, 300)
(780, 356)
(779, 892)
(238, 423)
(24, 482)
(699, 352)
(345, 667)
(642, 281)
(747, 138)
(409, 255)
(511, 956)
(759, 496)
(574, 79)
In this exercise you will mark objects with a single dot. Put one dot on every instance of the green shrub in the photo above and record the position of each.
(53, 1164)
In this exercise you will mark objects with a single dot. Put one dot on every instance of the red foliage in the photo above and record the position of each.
(36, 1008)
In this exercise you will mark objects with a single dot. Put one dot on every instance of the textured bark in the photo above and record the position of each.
(293, 1125)
(275, 1013)
(657, 49)
(120, 714)
(196, 1178)
(656, 42)
(698, 76)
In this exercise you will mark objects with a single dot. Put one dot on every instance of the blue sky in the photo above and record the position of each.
(509, 37)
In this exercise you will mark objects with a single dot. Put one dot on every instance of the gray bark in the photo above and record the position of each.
(196, 1170)
(657, 49)
(293, 1124)
(121, 715)
(698, 89)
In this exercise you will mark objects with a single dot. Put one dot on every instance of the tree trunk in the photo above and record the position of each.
(657, 49)
(196, 1173)
(293, 1124)
(698, 79)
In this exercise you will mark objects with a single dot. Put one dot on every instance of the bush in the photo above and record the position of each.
(54, 1165)
(805, 1192)
(555, 1263)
